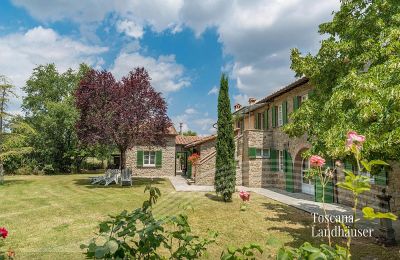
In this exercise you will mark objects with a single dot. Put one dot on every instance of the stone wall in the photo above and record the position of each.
(168, 160)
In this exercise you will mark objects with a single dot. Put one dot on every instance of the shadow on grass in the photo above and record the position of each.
(12, 182)
(286, 217)
(214, 197)
(136, 182)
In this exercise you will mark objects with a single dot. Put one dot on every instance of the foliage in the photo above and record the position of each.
(356, 80)
(357, 184)
(307, 251)
(225, 170)
(123, 113)
(49, 109)
(247, 252)
(6, 92)
(139, 235)
(189, 133)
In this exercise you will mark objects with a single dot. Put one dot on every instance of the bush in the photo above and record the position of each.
(138, 235)
(48, 169)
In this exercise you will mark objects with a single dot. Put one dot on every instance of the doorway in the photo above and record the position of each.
(307, 185)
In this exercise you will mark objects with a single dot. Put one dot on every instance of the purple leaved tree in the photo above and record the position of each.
(122, 113)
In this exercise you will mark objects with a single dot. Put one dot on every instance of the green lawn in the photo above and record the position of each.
(48, 217)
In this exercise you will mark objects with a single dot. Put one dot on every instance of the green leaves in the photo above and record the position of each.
(355, 183)
(368, 165)
(246, 252)
(308, 251)
(370, 214)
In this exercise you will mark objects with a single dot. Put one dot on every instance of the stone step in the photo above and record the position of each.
(190, 181)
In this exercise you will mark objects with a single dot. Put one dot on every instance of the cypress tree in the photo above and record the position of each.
(225, 172)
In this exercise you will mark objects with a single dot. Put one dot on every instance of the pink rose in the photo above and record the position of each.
(244, 195)
(317, 161)
(354, 138)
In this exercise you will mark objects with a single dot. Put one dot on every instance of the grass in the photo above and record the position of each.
(48, 217)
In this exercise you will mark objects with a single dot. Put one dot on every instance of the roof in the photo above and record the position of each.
(184, 140)
(247, 109)
(201, 141)
(282, 91)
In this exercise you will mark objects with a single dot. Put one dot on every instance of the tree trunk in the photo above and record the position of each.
(1, 172)
(122, 158)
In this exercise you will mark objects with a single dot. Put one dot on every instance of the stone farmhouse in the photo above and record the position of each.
(265, 156)
(268, 158)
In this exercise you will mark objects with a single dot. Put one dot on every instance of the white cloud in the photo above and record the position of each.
(166, 74)
(213, 91)
(21, 52)
(191, 119)
(242, 99)
(257, 34)
(190, 111)
(130, 28)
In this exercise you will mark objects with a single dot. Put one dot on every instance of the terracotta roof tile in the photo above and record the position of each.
(184, 140)
(202, 140)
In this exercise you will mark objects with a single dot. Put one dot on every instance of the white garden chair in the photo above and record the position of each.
(100, 179)
(113, 177)
(126, 176)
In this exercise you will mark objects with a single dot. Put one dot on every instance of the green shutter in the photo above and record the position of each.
(266, 119)
(189, 170)
(285, 112)
(273, 116)
(348, 166)
(158, 158)
(252, 152)
(274, 160)
(381, 177)
(295, 103)
(139, 158)
(328, 191)
(288, 169)
(255, 120)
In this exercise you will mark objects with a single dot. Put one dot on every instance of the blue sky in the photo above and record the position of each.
(185, 45)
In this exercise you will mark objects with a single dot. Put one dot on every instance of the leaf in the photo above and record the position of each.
(100, 252)
(283, 255)
(317, 256)
(112, 246)
(370, 214)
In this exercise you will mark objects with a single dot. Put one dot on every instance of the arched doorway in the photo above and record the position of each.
(307, 185)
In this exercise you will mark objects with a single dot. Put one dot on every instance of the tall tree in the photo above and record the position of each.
(225, 172)
(125, 113)
(49, 108)
(6, 92)
(357, 81)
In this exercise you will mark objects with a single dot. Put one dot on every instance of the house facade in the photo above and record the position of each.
(267, 157)
(153, 161)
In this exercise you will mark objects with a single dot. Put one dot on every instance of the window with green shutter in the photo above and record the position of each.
(285, 112)
(158, 158)
(266, 119)
(139, 158)
(273, 116)
(252, 152)
(296, 103)
(274, 160)
(381, 177)
(257, 120)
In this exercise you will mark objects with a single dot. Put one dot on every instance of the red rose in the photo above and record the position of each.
(3, 232)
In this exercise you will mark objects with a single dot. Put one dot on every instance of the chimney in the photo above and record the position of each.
(252, 101)
(180, 128)
(237, 106)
